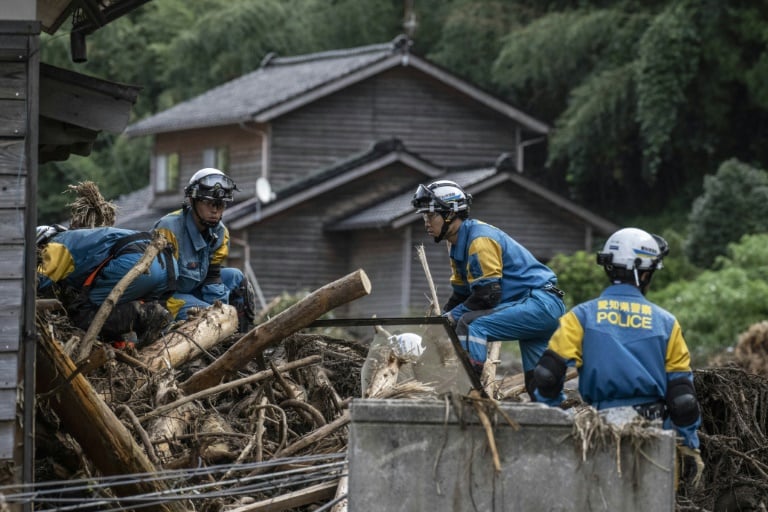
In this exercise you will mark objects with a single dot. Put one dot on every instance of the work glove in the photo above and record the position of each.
(691, 465)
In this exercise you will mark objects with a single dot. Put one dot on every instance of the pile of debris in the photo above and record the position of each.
(273, 434)
(248, 409)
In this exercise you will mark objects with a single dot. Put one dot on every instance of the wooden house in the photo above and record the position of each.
(337, 135)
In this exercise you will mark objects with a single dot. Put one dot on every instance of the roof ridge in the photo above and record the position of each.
(399, 43)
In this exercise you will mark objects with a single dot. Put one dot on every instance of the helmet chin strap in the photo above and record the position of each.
(446, 224)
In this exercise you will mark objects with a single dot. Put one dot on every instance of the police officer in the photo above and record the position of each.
(500, 291)
(200, 241)
(628, 351)
(82, 266)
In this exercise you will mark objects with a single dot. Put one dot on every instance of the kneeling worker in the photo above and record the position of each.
(628, 350)
(84, 265)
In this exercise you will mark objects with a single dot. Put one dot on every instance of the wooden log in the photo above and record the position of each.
(295, 318)
(153, 249)
(166, 428)
(488, 376)
(215, 324)
(103, 437)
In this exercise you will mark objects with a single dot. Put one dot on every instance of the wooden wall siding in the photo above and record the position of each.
(537, 224)
(290, 255)
(380, 254)
(291, 252)
(430, 118)
(244, 145)
(18, 147)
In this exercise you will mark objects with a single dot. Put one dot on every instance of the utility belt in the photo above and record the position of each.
(554, 290)
(652, 411)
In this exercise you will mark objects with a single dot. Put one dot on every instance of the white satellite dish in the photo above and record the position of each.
(264, 190)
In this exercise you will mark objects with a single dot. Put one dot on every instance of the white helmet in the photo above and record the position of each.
(210, 183)
(441, 196)
(44, 233)
(633, 248)
(631, 255)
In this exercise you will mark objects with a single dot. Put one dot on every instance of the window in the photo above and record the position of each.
(217, 158)
(167, 172)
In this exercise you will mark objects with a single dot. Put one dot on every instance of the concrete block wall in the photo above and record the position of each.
(419, 456)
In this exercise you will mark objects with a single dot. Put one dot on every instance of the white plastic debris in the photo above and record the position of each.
(407, 346)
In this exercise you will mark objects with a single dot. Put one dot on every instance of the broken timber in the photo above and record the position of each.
(215, 324)
(296, 317)
(102, 436)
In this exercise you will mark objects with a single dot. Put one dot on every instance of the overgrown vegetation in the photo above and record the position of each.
(721, 302)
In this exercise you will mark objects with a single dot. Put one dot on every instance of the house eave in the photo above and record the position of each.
(257, 213)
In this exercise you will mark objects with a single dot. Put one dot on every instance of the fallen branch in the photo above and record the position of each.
(296, 317)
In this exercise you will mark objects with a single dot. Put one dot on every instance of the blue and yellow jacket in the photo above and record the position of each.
(197, 256)
(484, 254)
(71, 256)
(625, 348)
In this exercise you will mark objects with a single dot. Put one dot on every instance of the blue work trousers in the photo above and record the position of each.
(530, 320)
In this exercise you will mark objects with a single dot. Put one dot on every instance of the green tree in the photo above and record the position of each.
(734, 203)
(579, 275)
(719, 304)
(646, 98)
(471, 35)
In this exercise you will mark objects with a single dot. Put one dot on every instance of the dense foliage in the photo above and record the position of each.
(719, 304)
(734, 203)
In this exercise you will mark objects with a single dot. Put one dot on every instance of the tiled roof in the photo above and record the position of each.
(282, 84)
(380, 154)
(276, 81)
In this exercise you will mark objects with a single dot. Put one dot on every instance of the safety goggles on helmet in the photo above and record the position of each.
(216, 187)
(440, 196)
(217, 181)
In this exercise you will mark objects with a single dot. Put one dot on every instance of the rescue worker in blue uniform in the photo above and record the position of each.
(500, 291)
(82, 266)
(200, 242)
(628, 351)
